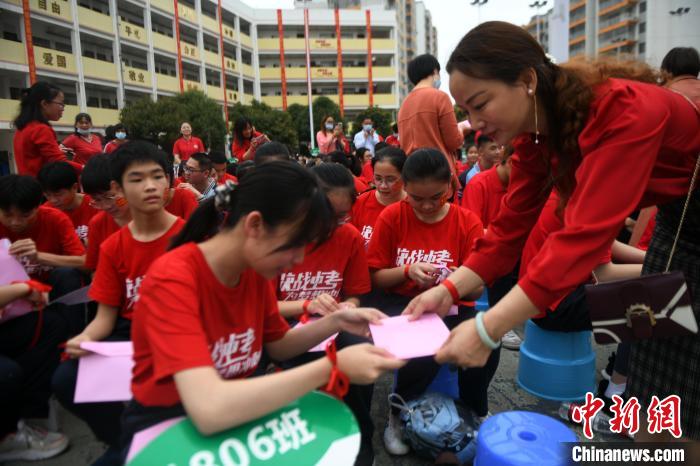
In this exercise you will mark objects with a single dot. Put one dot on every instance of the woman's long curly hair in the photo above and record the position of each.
(503, 51)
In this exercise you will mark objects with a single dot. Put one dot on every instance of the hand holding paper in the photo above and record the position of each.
(104, 375)
(407, 339)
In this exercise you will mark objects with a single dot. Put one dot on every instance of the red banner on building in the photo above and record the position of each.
(368, 16)
(223, 62)
(340, 63)
(283, 71)
(177, 41)
(29, 41)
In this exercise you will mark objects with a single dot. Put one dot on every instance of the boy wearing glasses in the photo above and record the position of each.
(199, 176)
(59, 182)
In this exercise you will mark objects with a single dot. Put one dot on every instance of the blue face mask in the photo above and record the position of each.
(367, 128)
(437, 83)
(121, 135)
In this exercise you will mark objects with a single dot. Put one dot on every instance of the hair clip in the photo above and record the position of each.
(222, 198)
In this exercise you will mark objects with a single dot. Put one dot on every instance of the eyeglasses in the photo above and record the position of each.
(188, 169)
(61, 104)
(98, 201)
(388, 181)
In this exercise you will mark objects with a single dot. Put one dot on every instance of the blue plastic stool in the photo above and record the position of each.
(482, 304)
(556, 365)
(519, 438)
(446, 382)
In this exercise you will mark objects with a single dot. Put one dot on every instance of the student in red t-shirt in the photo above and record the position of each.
(187, 145)
(342, 159)
(246, 139)
(414, 242)
(611, 141)
(387, 165)
(43, 240)
(35, 140)
(116, 136)
(333, 275)
(140, 175)
(59, 182)
(113, 214)
(218, 160)
(83, 142)
(208, 307)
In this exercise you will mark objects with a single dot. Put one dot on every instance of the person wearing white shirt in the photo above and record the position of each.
(368, 137)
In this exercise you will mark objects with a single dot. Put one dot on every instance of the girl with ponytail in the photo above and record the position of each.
(610, 141)
(207, 309)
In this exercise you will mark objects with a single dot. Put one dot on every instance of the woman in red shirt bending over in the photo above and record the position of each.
(35, 140)
(187, 145)
(610, 144)
(387, 165)
(207, 308)
(415, 244)
(84, 143)
(246, 139)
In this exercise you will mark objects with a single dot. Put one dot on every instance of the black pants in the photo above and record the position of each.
(64, 280)
(103, 418)
(573, 315)
(502, 286)
(25, 374)
(415, 377)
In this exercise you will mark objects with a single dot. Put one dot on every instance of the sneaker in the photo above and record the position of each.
(482, 419)
(607, 372)
(511, 341)
(31, 443)
(393, 437)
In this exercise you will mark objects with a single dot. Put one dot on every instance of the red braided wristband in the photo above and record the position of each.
(452, 289)
(338, 383)
(406, 269)
(305, 316)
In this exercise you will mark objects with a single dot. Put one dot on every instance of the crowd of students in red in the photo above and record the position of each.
(217, 278)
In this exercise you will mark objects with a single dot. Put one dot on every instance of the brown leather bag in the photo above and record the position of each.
(651, 306)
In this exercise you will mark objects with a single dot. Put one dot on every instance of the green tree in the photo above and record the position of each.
(382, 120)
(277, 125)
(300, 120)
(160, 121)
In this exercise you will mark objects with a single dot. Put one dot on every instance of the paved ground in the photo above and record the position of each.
(505, 395)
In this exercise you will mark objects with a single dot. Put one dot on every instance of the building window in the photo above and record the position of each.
(642, 48)
(642, 27)
(643, 7)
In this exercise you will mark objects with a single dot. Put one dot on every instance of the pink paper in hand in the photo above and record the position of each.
(410, 339)
(11, 270)
(321, 346)
(104, 375)
(143, 437)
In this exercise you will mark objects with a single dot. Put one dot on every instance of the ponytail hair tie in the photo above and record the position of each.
(222, 198)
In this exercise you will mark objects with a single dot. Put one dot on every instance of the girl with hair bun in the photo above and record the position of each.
(610, 141)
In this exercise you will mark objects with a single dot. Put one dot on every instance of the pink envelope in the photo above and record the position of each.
(11, 270)
(321, 346)
(144, 437)
(410, 339)
(105, 375)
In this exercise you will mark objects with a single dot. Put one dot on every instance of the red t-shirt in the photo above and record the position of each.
(100, 228)
(122, 267)
(110, 147)
(227, 176)
(483, 195)
(80, 216)
(360, 186)
(239, 148)
(645, 239)
(35, 145)
(82, 149)
(400, 238)
(638, 148)
(392, 141)
(182, 204)
(367, 173)
(187, 318)
(52, 233)
(365, 212)
(185, 148)
(337, 267)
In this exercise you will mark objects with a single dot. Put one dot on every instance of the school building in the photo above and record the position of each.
(106, 53)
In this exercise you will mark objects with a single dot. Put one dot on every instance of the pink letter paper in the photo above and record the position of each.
(106, 374)
(410, 339)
